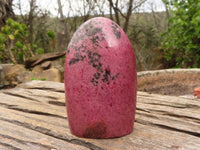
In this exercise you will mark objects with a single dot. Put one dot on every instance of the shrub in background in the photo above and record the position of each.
(14, 45)
(182, 39)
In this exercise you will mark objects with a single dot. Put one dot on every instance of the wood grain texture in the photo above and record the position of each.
(33, 116)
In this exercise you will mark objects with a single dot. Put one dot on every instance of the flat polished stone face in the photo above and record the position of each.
(100, 80)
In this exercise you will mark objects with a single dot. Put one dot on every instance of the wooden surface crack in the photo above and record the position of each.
(8, 146)
(7, 105)
(55, 135)
(196, 134)
(48, 89)
(21, 96)
(23, 142)
(168, 105)
(197, 120)
(57, 103)
(36, 112)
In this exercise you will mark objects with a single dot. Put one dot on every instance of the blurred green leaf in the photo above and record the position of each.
(9, 21)
(43, 79)
(34, 46)
(2, 38)
(40, 51)
(6, 30)
(1, 48)
(11, 37)
(20, 56)
(19, 45)
(51, 34)
(34, 78)
(16, 25)
(24, 48)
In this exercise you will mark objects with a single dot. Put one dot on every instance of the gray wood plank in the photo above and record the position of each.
(33, 116)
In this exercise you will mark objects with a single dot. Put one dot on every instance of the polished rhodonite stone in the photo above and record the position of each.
(100, 81)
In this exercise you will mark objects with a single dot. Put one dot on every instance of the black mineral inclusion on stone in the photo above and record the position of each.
(83, 51)
(116, 31)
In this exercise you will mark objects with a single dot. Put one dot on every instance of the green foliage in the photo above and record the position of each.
(40, 51)
(51, 34)
(19, 45)
(34, 78)
(42, 79)
(20, 55)
(182, 39)
(14, 42)
(2, 38)
(6, 30)
(63, 57)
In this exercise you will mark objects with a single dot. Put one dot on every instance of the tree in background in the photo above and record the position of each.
(182, 39)
(123, 10)
(62, 31)
(14, 45)
(52, 34)
(6, 11)
(38, 22)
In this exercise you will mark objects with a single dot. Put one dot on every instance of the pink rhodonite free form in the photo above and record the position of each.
(100, 81)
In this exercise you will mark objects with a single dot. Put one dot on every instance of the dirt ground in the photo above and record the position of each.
(176, 84)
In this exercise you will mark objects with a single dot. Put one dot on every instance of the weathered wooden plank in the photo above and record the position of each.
(33, 116)
(31, 62)
(20, 137)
